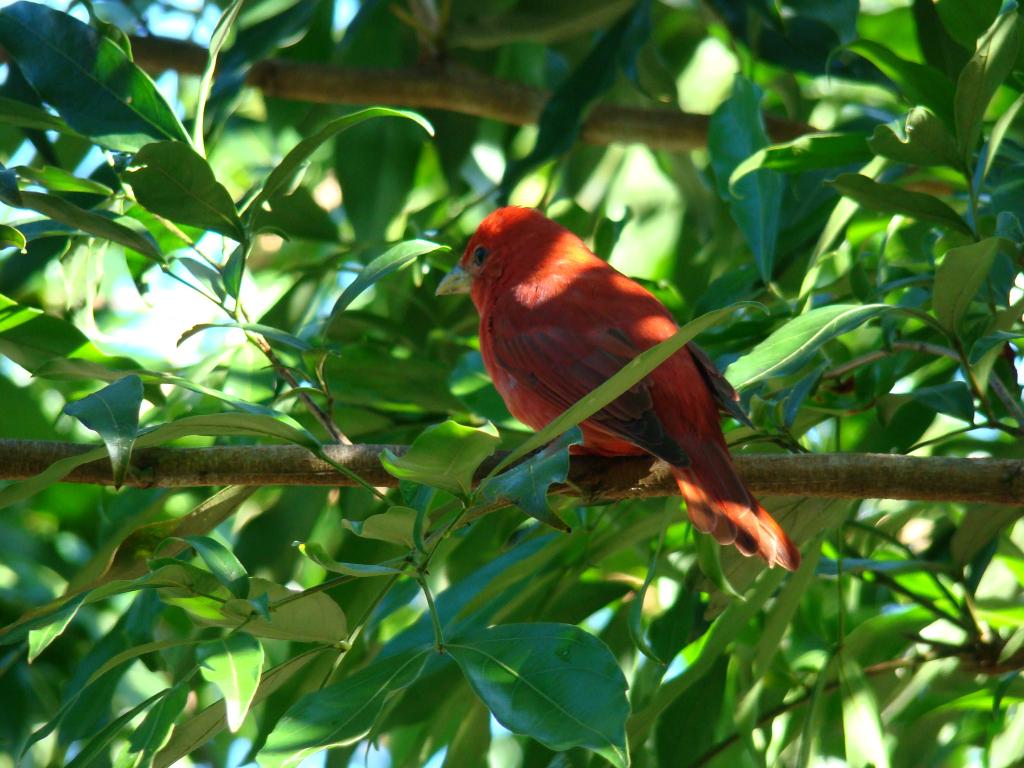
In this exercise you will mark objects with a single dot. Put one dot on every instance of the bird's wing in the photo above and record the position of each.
(562, 367)
(725, 396)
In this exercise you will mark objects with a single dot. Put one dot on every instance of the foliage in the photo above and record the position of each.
(268, 274)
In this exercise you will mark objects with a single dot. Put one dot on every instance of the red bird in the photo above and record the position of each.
(556, 321)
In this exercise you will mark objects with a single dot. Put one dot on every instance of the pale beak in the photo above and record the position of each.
(456, 281)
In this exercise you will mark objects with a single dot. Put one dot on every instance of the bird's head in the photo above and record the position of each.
(511, 245)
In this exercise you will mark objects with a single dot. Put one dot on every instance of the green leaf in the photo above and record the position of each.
(88, 78)
(790, 347)
(233, 664)
(862, 725)
(222, 563)
(705, 651)
(32, 338)
(784, 609)
(526, 484)
(967, 20)
(924, 140)
(341, 713)
(552, 682)
(952, 398)
(395, 526)
(560, 121)
(170, 179)
(806, 153)
(921, 84)
(999, 130)
(90, 222)
(890, 198)
(59, 180)
(959, 277)
(444, 456)
(736, 132)
(95, 750)
(392, 260)
(709, 559)
(11, 236)
(155, 730)
(979, 80)
(990, 342)
(22, 115)
(273, 334)
(217, 40)
(40, 637)
(301, 152)
(636, 608)
(632, 372)
(318, 555)
(113, 413)
(190, 735)
(310, 618)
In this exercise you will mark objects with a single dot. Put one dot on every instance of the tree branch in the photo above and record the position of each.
(450, 87)
(832, 475)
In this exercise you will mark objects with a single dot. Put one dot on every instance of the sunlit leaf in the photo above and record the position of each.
(113, 413)
(340, 713)
(552, 682)
(233, 664)
(444, 456)
(790, 347)
(170, 179)
(88, 78)
(959, 277)
(526, 484)
(890, 198)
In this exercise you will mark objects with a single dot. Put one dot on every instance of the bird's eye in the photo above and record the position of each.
(479, 254)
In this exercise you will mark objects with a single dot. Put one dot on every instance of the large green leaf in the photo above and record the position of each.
(893, 199)
(392, 260)
(90, 222)
(791, 346)
(444, 456)
(552, 682)
(170, 179)
(526, 484)
(340, 713)
(924, 140)
(113, 413)
(755, 199)
(810, 152)
(87, 78)
(155, 730)
(233, 664)
(984, 73)
(921, 84)
(959, 277)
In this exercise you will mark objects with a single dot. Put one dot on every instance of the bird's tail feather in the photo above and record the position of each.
(718, 503)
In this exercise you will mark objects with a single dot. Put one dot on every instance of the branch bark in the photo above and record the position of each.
(830, 475)
(450, 87)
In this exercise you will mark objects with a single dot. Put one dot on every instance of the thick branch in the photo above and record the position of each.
(451, 88)
(832, 475)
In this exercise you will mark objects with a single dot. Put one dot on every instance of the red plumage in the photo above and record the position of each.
(556, 321)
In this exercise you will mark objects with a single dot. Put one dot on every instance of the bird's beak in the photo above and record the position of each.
(456, 281)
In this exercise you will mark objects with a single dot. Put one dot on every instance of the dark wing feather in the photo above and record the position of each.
(562, 368)
(725, 396)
